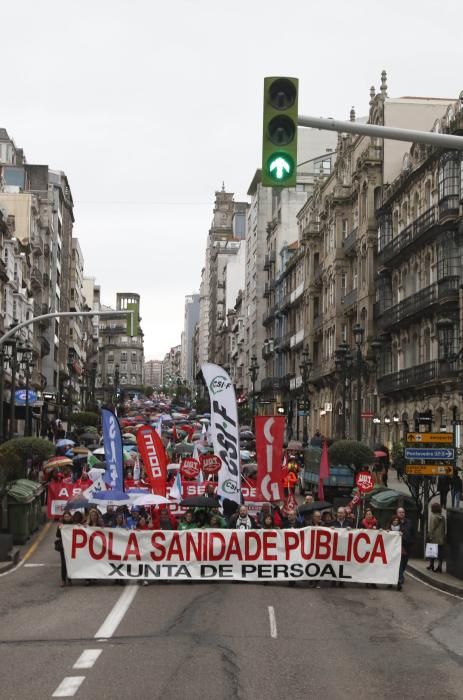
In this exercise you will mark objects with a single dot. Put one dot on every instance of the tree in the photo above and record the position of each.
(351, 452)
(15, 453)
(84, 418)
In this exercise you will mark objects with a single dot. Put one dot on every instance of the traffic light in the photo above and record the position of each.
(279, 143)
(132, 319)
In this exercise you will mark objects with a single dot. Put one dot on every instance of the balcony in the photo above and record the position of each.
(423, 224)
(297, 339)
(37, 245)
(297, 293)
(350, 242)
(349, 300)
(449, 208)
(445, 290)
(311, 230)
(419, 375)
(36, 278)
(269, 316)
(270, 383)
(317, 275)
(317, 323)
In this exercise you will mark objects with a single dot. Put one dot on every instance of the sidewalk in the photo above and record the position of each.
(23, 551)
(445, 582)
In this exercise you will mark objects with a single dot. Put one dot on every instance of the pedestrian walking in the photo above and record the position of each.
(456, 487)
(408, 534)
(65, 520)
(443, 485)
(436, 535)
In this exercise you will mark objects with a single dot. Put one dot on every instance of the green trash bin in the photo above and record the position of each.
(22, 511)
(385, 503)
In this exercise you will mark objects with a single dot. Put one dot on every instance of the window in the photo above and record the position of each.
(450, 178)
(344, 229)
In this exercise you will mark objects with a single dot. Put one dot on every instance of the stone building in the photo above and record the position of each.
(340, 229)
(418, 296)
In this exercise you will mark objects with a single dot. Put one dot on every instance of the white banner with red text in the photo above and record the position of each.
(311, 553)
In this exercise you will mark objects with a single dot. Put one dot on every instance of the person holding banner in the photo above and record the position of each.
(65, 520)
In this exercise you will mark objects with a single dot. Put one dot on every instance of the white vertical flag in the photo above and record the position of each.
(225, 430)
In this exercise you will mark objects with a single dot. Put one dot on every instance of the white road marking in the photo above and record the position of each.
(68, 687)
(434, 588)
(116, 615)
(88, 658)
(273, 622)
(35, 566)
(30, 566)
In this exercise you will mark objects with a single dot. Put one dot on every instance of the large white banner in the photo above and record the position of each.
(311, 553)
(224, 430)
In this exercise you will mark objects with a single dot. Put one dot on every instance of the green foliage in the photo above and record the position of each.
(84, 419)
(397, 452)
(351, 452)
(244, 415)
(148, 391)
(14, 454)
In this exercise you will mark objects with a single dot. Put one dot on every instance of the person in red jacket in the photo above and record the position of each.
(162, 519)
(369, 521)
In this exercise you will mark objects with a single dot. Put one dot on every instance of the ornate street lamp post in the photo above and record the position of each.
(253, 372)
(27, 354)
(305, 367)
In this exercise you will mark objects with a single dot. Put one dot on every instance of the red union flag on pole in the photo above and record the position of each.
(269, 445)
(224, 430)
(365, 482)
(154, 458)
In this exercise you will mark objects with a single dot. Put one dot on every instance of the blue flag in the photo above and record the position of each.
(112, 441)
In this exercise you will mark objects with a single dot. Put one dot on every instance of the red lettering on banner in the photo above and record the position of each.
(216, 555)
(361, 559)
(335, 556)
(234, 549)
(378, 551)
(322, 546)
(269, 545)
(112, 556)
(132, 549)
(157, 546)
(175, 548)
(249, 537)
(79, 540)
(291, 542)
(94, 538)
(193, 547)
(310, 535)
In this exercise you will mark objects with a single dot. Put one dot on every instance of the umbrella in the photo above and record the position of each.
(79, 458)
(380, 453)
(316, 505)
(99, 451)
(76, 503)
(150, 499)
(110, 498)
(173, 467)
(58, 462)
(80, 450)
(87, 436)
(294, 445)
(95, 473)
(200, 502)
(64, 442)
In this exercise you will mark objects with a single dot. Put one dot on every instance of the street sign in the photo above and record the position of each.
(429, 469)
(365, 482)
(430, 437)
(429, 453)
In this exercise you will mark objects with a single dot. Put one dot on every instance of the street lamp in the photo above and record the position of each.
(253, 372)
(358, 333)
(26, 363)
(305, 367)
(343, 363)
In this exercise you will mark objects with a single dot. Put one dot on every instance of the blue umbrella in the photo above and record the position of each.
(110, 498)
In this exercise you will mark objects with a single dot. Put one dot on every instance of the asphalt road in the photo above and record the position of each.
(224, 641)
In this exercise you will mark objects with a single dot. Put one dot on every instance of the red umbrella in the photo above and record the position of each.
(380, 453)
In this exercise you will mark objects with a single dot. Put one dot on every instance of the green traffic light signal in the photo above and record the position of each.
(279, 143)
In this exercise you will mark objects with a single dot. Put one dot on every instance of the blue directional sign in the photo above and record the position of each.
(429, 453)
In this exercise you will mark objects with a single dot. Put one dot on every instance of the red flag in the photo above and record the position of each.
(324, 471)
(154, 458)
(174, 433)
(269, 446)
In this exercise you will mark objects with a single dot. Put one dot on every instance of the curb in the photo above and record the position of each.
(6, 566)
(435, 582)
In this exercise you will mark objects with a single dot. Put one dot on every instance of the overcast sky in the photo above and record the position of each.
(148, 106)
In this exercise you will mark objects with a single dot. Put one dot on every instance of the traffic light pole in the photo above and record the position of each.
(383, 132)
